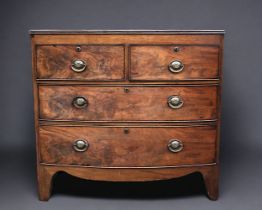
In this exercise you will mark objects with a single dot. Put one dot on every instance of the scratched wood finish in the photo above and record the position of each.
(151, 62)
(103, 62)
(112, 147)
(140, 103)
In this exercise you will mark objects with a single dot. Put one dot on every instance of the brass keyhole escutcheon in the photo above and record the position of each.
(78, 49)
(126, 130)
(176, 49)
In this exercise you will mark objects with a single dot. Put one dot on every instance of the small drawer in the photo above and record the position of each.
(83, 62)
(183, 62)
(127, 147)
(72, 102)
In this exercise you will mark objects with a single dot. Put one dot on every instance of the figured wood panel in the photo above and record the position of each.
(151, 62)
(140, 103)
(110, 147)
(103, 62)
(141, 147)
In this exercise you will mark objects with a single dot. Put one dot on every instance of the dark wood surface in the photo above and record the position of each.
(119, 156)
(103, 62)
(153, 39)
(140, 103)
(140, 147)
(46, 173)
(151, 62)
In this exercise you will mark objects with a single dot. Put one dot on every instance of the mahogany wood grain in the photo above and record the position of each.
(103, 62)
(144, 107)
(214, 39)
(151, 62)
(140, 147)
(209, 173)
(140, 103)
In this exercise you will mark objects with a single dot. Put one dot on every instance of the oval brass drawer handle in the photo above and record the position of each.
(80, 102)
(175, 102)
(175, 145)
(176, 66)
(78, 65)
(80, 145)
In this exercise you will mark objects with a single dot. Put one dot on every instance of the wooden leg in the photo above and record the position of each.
(210, 176)
(46, 173)
(45, 178)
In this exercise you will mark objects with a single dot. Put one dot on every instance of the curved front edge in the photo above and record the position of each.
(209, 173)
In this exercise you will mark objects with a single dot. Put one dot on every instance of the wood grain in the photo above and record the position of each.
(45, 182)
(111, 106)
(215, 39)
(140, 103)
(140, 147)
(211, 179)
(151, 62)
(210, 173)
(103, 62)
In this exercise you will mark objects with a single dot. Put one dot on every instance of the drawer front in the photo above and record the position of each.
(140, 147)
(127, 103)
(174, 62)
(89, 62)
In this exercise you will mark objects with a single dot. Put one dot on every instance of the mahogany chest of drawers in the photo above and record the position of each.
(127, 105)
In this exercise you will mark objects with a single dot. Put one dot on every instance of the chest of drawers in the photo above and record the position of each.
(127, 105)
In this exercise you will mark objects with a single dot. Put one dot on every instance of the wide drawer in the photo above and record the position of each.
(115, 147)
(127, 103)
(170, 62)
(86, 62)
